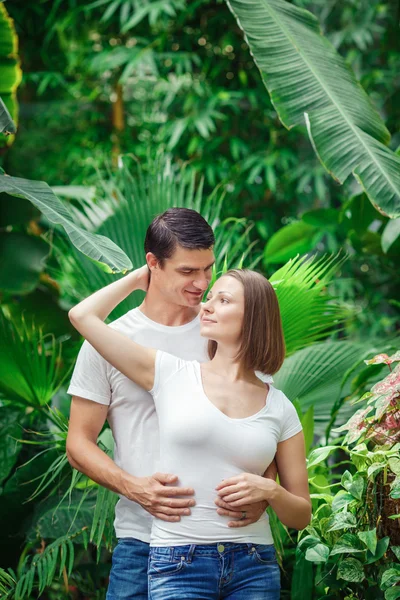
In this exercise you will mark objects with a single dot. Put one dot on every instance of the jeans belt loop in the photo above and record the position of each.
(191, 552)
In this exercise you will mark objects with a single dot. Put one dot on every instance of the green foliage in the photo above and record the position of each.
(10, 77)
(344, 127)
(98, 248)
(56, 560)
(31, 382)
(129, 201)
(107, 78)
(354, 534)
(309, 313)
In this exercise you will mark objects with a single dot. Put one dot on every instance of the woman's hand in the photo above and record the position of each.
(246, 488)
(142, 278)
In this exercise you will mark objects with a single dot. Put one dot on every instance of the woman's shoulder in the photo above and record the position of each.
(279, 398)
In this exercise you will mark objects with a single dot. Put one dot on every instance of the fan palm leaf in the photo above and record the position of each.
(308, 312)
(308, 79)
(129, 204)
(31, 369)
(313, 376)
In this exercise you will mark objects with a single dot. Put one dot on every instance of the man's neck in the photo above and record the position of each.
(160, 311)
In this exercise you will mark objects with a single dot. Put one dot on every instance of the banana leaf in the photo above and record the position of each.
(309, 82)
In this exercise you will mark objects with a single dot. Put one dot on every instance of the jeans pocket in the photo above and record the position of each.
(265, 554)
(163, 567)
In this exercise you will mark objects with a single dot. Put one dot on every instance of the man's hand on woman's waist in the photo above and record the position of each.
(158, 498)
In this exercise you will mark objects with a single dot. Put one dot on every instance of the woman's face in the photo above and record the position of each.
(221, 316)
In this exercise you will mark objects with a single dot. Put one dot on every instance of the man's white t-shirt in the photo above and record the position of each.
(131, 412)
(205, 446)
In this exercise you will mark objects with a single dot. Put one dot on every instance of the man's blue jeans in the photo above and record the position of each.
(214, 572)
(128, 576)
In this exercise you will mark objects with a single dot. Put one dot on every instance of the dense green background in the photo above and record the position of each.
(173, 83)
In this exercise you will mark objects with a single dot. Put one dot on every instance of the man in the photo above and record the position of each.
(179, 254)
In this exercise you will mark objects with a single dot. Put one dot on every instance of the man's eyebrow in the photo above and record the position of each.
(188, 268)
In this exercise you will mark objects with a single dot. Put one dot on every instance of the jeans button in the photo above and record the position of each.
(220, 547)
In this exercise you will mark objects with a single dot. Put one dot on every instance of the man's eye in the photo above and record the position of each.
(186, 272)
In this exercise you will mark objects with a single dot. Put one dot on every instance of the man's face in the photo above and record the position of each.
(184, 277)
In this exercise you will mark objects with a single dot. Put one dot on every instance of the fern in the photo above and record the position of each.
(39, 571)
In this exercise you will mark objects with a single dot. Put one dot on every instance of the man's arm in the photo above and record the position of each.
(253, 511)
(86, 421)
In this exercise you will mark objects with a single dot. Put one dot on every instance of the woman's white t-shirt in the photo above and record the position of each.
(205, 446)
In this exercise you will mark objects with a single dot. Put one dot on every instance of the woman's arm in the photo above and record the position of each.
(133, 360)
(290, 499)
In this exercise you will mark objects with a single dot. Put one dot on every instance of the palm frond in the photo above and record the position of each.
(40, 570)
(129, 201)
(314, 375)
(309, 313)
(31, 366)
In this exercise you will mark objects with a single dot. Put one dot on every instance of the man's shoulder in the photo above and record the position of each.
(127, 322)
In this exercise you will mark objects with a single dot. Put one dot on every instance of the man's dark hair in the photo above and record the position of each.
(177, 227)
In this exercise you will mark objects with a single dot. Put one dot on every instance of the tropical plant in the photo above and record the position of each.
(10, 77)
(354, 537)
(319, 89)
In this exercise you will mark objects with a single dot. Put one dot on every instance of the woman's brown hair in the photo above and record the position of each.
(262, 345)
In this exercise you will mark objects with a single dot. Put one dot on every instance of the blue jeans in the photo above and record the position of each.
(128, 576)
(213, 572)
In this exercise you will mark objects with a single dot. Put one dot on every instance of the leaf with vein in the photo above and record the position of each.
(308, 79)
(96, 247)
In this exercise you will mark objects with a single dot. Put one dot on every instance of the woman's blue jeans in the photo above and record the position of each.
(213, 572)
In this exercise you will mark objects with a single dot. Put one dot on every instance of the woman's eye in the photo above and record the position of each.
(224, 300)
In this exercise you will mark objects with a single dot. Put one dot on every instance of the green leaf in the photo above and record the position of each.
(7, 125)
(319, 455)
(10, 432)
(10, 77)
(341, 500)
(392, 593)
(350, 569)
(390, 577)
(34, 381)
(348, 542)
(347, 479)
(302, 579)
(307, 422)
(22, 261)
(390, 234)
(395, 489)
(327, 218)
(342, 521)
(381, 548)
(396, 551)
(318, 553)
(369, 538)
(96, 247)
(356, 488)
(289, 241)
(308, 79)
(394, 464)
(308, 312)
(313, 376)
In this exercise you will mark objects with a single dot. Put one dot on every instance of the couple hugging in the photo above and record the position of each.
(196, 424)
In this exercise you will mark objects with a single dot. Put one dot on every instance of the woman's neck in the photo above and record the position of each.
(225, 364)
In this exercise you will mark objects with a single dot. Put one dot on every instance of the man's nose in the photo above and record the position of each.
(201, 282)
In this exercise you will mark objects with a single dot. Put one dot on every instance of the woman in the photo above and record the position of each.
(220, 428)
